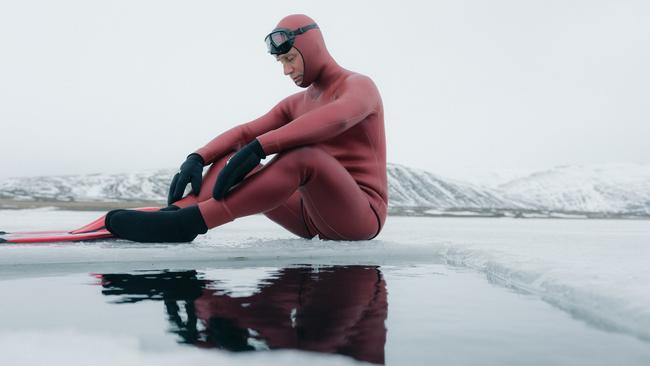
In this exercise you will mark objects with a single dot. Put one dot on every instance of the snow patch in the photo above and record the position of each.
(69, 347)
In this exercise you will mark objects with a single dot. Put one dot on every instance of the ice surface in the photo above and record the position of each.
(596, 270)
(71, 347)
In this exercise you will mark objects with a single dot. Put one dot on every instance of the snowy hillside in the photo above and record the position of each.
(607, 190)
(409, 187)
(145, 186)
(621, 188)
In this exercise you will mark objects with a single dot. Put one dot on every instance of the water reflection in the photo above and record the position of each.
(334, 309)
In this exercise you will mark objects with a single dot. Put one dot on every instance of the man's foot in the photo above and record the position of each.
(182, 225)
(170, 208)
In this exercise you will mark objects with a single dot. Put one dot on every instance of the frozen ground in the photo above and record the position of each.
(460, 291)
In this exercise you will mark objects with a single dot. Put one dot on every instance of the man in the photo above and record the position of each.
(327, 179)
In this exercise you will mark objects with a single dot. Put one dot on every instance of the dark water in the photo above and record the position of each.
(332, 314)
(336, 309)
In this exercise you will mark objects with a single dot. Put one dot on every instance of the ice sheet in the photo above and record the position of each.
(594, 269)
(71, 347)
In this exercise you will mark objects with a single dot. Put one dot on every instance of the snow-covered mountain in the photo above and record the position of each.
(144, 186)
(620, 188)
(408, 187)
(607, 190)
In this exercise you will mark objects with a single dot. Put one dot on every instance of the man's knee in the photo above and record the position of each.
(303, 155)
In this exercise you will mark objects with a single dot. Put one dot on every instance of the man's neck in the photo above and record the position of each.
(328, 75)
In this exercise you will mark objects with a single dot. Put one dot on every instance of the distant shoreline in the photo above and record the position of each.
(9, 204)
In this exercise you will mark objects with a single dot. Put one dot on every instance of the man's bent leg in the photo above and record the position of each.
(339, 207)
(287, 215)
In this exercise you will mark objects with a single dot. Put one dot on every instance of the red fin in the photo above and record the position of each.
(52, 238)
(91, 231)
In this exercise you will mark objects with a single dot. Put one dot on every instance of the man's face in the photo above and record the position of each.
(292, 65)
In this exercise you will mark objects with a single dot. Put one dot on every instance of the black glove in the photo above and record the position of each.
(237, 167)
(191, 171)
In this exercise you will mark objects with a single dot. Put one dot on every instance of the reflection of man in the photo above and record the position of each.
(331, 310)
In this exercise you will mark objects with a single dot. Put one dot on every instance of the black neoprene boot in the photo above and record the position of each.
(182, 225)
(170, 208)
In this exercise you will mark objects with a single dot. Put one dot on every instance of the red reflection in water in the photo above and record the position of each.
(337, 309)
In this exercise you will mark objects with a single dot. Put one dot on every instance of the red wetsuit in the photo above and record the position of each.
(329, 175)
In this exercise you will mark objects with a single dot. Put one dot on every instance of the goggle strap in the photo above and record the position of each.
(302, 30)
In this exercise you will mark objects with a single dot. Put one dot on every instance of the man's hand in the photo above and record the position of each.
(237, 167)
(191, 171)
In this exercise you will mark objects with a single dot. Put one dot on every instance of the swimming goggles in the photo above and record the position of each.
(280, 40)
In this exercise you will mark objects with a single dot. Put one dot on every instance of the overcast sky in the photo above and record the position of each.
(121, 86)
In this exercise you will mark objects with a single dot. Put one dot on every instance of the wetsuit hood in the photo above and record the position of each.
(311, 46)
